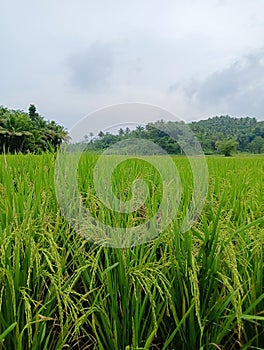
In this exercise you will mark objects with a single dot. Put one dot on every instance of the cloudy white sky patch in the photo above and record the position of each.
(238, 88)
(197, 58)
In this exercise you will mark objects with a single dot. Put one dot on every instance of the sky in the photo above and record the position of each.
(194, 58)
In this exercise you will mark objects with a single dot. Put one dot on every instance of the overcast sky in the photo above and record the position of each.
(195, 58)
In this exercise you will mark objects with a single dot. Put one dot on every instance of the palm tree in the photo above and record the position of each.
(15, 128)
(20, 133)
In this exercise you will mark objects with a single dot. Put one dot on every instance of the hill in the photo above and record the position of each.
(244, 134)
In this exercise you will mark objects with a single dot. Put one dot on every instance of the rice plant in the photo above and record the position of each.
(202, 289)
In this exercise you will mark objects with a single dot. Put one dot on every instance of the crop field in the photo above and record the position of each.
(201, 289)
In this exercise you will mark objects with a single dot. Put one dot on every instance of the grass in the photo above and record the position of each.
(203, 289)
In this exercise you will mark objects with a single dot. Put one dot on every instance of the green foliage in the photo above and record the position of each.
(247, 132)
(32, 112)
(256, 145)
(22, 132)
(199, 290)
(226, 147)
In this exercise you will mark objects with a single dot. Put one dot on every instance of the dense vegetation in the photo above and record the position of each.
(28, 132)
(199, 290)
(217, 135)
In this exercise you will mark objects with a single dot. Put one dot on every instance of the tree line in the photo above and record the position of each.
(220, 134)
(28, 132)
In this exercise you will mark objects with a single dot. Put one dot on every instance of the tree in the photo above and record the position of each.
(121, 132)
(22, 132)
(256, 145)
(32, 112)
(226, 147)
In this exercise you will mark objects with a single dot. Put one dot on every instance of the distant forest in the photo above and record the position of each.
(23, 132)
(222, 134)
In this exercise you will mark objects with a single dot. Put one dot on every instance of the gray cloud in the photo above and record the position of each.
(238, 79)
(92, 54)
(91, 70)
(238, 89)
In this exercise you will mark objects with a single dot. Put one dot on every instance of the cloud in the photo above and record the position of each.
(237, 89)
(97, 54)
(91, 70)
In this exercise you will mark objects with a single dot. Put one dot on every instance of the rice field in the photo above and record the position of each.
(202, 289)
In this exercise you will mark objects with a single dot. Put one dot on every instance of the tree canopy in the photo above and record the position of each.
(226, 146)
(28, 132)
(222, 134)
